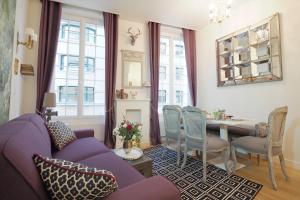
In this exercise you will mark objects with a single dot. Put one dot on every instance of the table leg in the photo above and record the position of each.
(218, 161)
(224, 132)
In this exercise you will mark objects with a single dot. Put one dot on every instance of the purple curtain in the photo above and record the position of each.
(189, 38)
(111, 53)
(154, 44)
(48, 38)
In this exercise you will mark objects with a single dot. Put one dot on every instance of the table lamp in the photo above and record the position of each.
(48, 104)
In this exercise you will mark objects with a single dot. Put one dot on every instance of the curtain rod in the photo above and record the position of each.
(147, 21)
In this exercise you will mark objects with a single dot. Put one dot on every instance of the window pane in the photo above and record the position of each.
(89, 64)
(162, 96)
(71, 60)
(94, 73)
(90, 34)
(88, 95)
(67, 68)
(162, 72)
(173, 84)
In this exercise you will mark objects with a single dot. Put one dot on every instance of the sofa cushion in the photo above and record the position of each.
(126, 174)
(19, 140)
(81, 149)
(61, 134)
(38, 122)
(255, 145)
(68, 180)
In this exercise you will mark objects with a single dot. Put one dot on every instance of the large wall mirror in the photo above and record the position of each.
(132, 62)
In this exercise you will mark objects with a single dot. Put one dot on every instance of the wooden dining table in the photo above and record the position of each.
(229, 122)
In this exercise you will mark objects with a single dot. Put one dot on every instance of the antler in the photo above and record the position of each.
(139, 33)
(128, 31)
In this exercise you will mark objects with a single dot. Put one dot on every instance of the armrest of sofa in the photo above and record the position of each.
(152, 188)
(82, 133)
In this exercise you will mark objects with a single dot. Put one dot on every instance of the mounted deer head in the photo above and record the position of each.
(133, 36)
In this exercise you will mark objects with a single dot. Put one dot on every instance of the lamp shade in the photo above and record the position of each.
(49, 100)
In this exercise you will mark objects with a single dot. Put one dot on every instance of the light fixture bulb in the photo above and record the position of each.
(220, 10)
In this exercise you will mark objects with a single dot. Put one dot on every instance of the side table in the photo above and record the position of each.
(143, 165)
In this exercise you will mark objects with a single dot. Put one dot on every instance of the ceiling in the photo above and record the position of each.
(191, 14)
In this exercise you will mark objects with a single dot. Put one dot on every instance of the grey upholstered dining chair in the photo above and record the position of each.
(194, 121)
(269, 146)
(172, 123)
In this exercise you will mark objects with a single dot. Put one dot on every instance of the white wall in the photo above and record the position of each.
(257, 100)
(16, 79)
(29, 82)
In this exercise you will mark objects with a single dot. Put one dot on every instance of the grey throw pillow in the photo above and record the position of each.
(261, 129)
(60, 134)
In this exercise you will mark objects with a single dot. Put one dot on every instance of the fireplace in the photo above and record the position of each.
(136, 110)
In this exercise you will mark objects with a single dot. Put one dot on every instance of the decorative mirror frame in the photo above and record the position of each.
(239, 64)
(134, 56)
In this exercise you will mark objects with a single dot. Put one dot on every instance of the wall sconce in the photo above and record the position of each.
(31, 38)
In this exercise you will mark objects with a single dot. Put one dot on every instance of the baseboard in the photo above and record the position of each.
(292, 163)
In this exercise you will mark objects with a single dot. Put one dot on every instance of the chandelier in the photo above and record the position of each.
(220, 10)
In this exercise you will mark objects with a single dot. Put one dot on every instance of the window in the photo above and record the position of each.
(90, 35)
(179, 50)
(162, 72)
(179, 73)
(79, 68)
(173, 83)
(163, 48)
(89, 64)
(162, 96)
(88, 94)
(179, 97)
(70, 31)
(72, 62)
(67, 94)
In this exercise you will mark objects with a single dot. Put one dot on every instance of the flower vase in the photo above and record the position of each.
(127, 146)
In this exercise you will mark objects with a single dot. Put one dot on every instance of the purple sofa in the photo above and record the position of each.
(20, 138)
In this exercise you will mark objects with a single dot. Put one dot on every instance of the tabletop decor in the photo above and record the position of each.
(129, 132)
(219, 114)
(134, 153)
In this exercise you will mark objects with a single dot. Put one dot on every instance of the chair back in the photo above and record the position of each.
(172, 120)
(194, 121)
(276, 123)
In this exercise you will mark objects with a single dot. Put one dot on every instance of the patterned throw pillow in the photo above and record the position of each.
(60, 134)
(68, 180)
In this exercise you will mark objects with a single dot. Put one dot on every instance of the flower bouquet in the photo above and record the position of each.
(129, 132)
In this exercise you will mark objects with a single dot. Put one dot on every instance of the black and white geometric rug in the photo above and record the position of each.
(219, 185)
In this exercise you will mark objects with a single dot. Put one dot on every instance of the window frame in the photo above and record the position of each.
(84, 17)
(173, 35)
